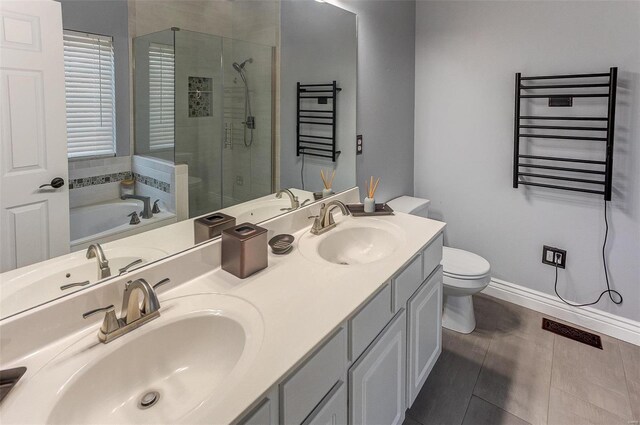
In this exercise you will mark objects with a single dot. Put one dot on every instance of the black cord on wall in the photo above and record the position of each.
(608, 291)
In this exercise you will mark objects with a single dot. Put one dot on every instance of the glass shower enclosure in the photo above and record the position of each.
(207, 102)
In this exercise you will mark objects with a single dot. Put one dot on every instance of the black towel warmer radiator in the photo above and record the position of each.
(320, 145)
(588, 86)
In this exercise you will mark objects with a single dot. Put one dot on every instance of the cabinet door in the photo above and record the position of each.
(424, 333)
(377, 381)
(332, 410)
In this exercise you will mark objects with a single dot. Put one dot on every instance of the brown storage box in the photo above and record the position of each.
(244, 249)
(211, 226)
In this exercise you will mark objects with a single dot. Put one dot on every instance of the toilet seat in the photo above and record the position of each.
(464, 265)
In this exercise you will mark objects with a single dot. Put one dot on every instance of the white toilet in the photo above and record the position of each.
(465, 273)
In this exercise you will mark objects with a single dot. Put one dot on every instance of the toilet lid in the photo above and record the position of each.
(463, 264)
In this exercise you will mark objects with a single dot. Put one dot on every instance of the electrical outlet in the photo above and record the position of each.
(550, 253)
(359, 144)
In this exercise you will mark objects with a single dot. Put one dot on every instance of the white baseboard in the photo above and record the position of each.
(588, 317)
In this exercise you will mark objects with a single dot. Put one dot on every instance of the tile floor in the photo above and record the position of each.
(510, 371)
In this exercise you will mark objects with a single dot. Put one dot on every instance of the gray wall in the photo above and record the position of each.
(386, 75)
(107, 17)
(466, 56)
(318, 44)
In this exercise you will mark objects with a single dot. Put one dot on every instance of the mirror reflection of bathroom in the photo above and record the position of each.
(203, 105)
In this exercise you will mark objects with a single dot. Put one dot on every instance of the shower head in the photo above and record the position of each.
(240, 67)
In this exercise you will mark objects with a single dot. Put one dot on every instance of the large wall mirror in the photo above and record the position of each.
(177, 111)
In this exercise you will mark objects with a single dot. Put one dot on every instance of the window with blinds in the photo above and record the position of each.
(161, 96)
(90, 94)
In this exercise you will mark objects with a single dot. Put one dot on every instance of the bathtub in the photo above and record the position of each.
(108, 221)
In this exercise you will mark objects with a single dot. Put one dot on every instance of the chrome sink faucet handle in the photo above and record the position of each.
(128, 266)
(134, 218)
(156, 208)
(324, 221)
(110, 324)
(146, 210)
(295, 204)
(95, 251)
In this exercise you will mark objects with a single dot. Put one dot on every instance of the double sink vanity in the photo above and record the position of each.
(344, 329)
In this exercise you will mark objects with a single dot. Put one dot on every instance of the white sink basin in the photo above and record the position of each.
(353, 242)
(199, 346)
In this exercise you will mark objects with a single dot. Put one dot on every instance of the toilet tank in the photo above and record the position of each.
(410, 205)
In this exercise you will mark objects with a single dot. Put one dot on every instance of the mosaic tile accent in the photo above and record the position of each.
(155, 183)
(200, 96)
(102, 179)
(200, 84)
(116, 177)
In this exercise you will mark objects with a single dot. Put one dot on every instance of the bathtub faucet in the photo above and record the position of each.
(95, 251)
(146, 211)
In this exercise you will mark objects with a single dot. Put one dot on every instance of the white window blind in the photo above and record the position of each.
(161, 96)
(90, 94)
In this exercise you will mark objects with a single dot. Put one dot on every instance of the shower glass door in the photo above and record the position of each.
(207, 101)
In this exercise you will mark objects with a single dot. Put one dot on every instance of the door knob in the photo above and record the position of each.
(56, 183)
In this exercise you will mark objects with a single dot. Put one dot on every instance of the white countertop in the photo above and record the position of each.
(301, 302)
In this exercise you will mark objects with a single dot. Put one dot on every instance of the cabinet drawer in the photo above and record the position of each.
(332, 410)
(305, 388)
(432, 257)
(406, 283)
(369, 322)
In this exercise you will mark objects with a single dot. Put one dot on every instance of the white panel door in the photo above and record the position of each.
(377, 381)
(34, 223)
(424, 333)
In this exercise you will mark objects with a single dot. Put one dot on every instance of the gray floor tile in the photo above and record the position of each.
(408, 420)
(631, 360)
(515, 377)
(446, 394)
(634, 398)
(593, 375)
(565, 409)
(481, 412)
(524, 323)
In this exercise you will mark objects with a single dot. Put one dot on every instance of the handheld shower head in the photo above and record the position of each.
(240, 67)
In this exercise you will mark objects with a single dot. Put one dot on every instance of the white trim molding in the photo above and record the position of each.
(588, 317)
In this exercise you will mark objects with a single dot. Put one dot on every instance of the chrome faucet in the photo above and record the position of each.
(133, 313)
(146, 210)
(324, 221)
(295, 204)
(95, 251)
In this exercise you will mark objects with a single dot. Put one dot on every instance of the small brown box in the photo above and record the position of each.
(211, 226)
(244, 249)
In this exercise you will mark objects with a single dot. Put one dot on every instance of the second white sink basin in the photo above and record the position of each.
(161, 372)
(353, 242)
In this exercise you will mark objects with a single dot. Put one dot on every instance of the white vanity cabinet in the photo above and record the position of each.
(372, 368)
(424, 333)
(377, 380)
